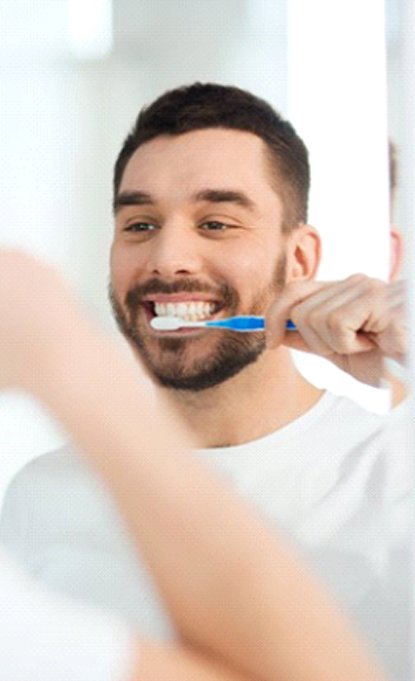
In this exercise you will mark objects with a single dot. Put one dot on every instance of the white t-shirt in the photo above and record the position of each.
(44, 636)
(322, 480)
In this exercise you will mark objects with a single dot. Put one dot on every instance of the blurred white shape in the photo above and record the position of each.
(26, 431)
(259, 60)
(31, 30)
(90, 28)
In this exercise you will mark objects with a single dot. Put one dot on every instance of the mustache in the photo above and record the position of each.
(223, 293)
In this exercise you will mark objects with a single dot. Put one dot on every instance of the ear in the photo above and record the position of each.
(396, 254)
(303, 253)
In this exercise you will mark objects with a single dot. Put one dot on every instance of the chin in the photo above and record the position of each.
(204, 373)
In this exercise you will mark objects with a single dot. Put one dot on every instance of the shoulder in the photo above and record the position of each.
(341, 404)
(379, 442)
(340, 409)
(348, 438)
(342, 421)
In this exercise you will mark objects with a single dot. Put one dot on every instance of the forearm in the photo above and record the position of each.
(232, 590)
(157, 662)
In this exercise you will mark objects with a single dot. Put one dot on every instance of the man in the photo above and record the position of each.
(44, 637)
(210, 200)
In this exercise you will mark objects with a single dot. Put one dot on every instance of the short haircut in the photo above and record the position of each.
(209, 105)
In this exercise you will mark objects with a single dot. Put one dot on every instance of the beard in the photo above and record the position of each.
(169, 361)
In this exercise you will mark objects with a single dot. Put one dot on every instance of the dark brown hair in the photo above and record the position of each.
(210, 105)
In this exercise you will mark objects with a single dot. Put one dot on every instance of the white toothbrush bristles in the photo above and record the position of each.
(172, 323)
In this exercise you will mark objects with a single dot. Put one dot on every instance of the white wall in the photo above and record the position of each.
(337, 99)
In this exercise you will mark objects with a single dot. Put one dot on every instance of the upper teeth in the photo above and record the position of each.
(192, 310)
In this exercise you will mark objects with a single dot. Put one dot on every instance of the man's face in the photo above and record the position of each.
(197, 235)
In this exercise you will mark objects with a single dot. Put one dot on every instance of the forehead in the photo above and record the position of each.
(203, 158)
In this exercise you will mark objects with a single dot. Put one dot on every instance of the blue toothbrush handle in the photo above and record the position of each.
(244, 323)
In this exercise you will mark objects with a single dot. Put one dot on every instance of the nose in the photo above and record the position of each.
(174, 252)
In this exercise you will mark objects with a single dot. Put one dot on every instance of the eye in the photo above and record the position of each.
(141, 227)
(214, 226)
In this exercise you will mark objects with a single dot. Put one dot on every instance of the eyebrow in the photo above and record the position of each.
(131, 199)
(139, 198)
(224, 196)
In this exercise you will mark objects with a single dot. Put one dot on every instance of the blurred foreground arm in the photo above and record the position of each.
(244, 607)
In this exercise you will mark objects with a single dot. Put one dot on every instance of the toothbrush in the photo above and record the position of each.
(241, 323)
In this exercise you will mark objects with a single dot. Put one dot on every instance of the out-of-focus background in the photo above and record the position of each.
(73, 75)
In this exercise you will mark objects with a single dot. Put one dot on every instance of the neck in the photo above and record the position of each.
(262, 398)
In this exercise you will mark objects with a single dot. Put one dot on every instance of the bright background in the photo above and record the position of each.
(73, 76)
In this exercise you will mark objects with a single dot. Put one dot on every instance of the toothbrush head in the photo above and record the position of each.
(172, 323)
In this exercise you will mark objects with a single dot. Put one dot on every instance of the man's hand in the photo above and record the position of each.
(38, 314)
(354, 323)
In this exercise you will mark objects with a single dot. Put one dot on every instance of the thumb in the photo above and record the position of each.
(283, 309)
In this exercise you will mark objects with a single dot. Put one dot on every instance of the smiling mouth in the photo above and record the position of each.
(191, 310)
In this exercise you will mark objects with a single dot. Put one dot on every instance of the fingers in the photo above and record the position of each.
(394, 338)
(282, 310)
(341, 314)
(331, 317)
